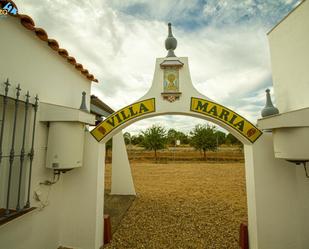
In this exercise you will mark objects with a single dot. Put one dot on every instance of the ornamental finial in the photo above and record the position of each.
(170, 42)
(269, 108)
(83, 106)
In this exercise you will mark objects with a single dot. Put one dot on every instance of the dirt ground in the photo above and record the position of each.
(181, 205)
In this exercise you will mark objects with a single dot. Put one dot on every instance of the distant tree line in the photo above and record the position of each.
(202, 137)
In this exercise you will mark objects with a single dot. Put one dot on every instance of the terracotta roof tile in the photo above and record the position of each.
(79, 66)
(63, 52)
(90, 77)
(85, 72)
(71, 60)
(29, 24)
(26, 21)
(41, 34)
(53, 44)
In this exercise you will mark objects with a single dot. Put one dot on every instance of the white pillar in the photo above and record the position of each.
(122, 181)
(251, 201)
(274, 199)
(81, 208)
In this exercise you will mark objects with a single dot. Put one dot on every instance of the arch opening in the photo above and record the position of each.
(174, 181)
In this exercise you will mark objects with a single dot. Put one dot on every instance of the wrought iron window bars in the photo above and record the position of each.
(24, 158)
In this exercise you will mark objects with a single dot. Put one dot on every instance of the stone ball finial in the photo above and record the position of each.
(170, 42)
(269, 108)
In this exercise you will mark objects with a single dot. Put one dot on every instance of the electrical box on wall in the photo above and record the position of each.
(292, 143)
(66, 132)
(290, 134)
(65, 145)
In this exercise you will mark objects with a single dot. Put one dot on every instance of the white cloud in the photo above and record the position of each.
(229, 63)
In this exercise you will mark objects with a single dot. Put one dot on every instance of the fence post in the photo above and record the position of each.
(5, 101)
(22, 153)
(31, 154)
(12, 152)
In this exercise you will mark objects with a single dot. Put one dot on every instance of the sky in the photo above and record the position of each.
(119, 40)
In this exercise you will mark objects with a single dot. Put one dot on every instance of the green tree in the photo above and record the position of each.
(203, 138)
(154, 139)
(230, 139)
(221, 137)
(184, 139)
(173, 136)
(137, 140)
(127, 137)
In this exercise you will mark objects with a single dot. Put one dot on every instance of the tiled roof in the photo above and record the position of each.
(29, 24)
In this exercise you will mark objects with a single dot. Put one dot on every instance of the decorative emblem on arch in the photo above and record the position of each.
(170, 69)
(227, 116)
(123, 115)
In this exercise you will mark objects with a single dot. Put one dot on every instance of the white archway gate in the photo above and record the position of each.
(173, 93)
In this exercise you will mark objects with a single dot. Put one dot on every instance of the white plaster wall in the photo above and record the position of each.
(281, 191)
(289, 58)
(303, 209)
(81, 205)
(25, 59)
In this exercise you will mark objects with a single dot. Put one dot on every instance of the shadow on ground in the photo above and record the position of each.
(116, 207)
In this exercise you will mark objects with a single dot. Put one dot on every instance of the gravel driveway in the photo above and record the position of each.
(197, 205)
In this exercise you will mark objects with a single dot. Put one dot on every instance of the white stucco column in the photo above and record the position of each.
(274, 198)
(122, 181)
(251, 201)
(83, 196)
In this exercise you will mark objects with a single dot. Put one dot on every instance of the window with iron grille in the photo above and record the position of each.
(17, 133)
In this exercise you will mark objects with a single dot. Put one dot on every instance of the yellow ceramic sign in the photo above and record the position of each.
(120, 117)
(227, 116)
